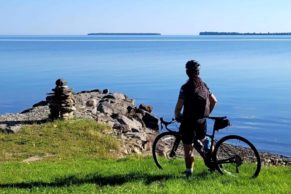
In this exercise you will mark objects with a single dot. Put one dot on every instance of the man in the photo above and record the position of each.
(197, 103)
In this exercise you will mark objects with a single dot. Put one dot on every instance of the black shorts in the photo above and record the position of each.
(191, 129)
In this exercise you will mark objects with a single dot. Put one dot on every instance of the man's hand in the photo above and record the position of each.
(179, 118)
(178, 109)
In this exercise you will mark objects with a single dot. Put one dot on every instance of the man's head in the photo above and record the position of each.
(192, 68)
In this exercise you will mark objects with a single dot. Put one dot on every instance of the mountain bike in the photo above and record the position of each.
(232, 154)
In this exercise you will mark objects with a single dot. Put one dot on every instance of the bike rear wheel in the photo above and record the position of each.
(168, 150)
(238, 157)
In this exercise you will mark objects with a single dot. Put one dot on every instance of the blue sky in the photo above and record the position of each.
(51, 17)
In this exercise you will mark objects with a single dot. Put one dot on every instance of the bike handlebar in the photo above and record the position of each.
(166, 123)
(221, 122)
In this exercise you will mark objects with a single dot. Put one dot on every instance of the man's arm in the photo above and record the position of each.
(178, 108)
(213, 101)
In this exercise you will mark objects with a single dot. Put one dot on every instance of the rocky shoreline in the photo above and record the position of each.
(135, 126)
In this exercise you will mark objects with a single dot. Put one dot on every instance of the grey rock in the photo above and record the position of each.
(119, 96)
(109, 96)
(105, 108)
(15, 128)
(119, 108)
(140, 136)
(121, 128)
(94, 111)
(105, 91)
(135, 130)
(4, 128)
(61, 82)
(89, 91)
(146, 108)
(136, 150)
(41, 103)
(101, 117)
(132, 123)
(91, 102)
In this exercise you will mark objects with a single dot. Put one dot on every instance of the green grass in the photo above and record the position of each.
(59, 139)
(131, 175)
(73, 168)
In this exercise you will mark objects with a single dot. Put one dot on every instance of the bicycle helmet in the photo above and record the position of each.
(192, 68)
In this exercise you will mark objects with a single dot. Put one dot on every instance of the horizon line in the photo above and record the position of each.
(135, 33)
(91, 35)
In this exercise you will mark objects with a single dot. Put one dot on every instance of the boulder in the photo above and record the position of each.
(14, 128)
(105, 108)
(119, 96)
(109, 96)
(91, 103)
(105, 91)
(140, 136)
(133, 124)
(146, 108)
(121, 128)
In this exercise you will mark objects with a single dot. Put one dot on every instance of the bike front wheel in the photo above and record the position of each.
(168, 150)
(236, 156)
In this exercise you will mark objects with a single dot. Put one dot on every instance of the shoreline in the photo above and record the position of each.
(126, 125)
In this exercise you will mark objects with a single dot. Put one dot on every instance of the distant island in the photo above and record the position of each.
(139, 34)
(248, 33)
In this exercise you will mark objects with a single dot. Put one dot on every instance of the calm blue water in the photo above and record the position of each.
(250, 75)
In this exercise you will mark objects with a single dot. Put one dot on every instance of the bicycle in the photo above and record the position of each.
(232, 154)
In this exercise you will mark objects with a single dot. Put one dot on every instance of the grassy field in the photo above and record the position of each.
(73, 158)
(59, 140)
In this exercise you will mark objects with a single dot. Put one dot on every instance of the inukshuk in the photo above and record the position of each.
(61, 101)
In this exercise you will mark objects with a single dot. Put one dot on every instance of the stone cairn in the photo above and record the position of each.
(61, 101)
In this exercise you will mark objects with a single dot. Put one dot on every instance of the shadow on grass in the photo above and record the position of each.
(97, 179)
(101, 180)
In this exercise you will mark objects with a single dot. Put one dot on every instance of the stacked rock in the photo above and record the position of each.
(61, 101)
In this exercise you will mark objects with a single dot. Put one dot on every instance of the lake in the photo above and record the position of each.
(250, 75)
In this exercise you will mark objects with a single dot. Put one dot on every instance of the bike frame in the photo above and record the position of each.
(212, 135)
(211, 159)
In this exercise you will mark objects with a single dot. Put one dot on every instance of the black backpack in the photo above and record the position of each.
(196, 101)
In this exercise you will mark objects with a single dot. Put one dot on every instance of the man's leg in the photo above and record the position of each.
(189, 158)
(187, 132)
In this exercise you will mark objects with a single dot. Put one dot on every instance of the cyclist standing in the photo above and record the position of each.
(197, 102)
